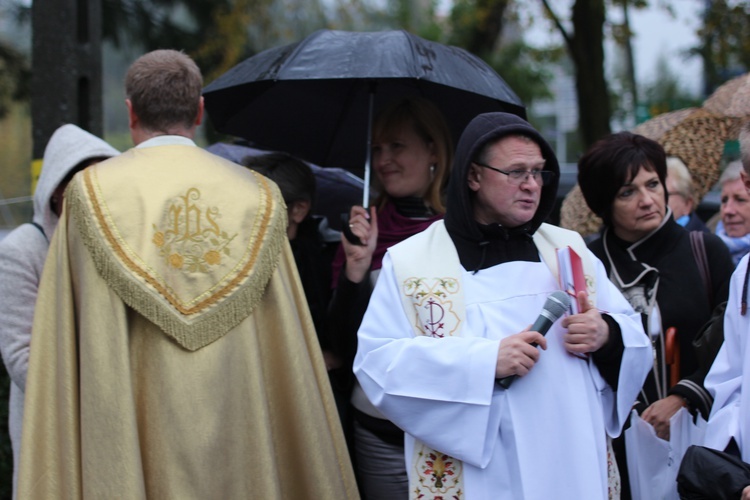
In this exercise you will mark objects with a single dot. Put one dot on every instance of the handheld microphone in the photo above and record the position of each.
(553, 309)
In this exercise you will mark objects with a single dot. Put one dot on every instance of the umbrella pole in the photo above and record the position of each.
(368, 153)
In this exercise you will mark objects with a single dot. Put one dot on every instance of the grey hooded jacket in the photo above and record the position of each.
(22, 256)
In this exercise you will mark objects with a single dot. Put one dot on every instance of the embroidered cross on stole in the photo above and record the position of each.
(432, 299)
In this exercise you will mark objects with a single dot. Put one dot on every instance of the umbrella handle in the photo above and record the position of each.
(347, 230)
(368, 153)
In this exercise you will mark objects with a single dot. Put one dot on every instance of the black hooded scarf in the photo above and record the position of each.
(482, 246)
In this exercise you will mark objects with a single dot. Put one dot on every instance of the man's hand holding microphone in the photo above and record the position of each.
(587, 332)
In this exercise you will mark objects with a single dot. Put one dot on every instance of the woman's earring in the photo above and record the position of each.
(432, 170)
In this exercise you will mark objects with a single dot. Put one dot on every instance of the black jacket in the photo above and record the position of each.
(683, 300)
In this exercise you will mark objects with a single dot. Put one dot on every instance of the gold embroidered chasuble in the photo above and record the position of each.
(173, 354)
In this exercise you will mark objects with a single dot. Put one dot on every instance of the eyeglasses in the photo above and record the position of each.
(516, 177)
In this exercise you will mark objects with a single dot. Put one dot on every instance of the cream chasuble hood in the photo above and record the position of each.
(190, 265)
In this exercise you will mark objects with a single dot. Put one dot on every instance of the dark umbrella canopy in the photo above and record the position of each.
(311, 98)
(335, 192)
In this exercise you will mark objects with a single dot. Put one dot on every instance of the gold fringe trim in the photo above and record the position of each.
(222, 310)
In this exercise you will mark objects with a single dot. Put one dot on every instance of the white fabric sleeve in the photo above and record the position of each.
(637, 356)
(724, 379)
(450, 379)
(22, 255)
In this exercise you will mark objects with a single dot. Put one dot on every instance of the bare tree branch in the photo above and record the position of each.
(555, 19)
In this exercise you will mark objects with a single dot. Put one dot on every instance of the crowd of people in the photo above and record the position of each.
(177, 325)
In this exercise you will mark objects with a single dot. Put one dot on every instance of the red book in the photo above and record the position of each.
(572, 279)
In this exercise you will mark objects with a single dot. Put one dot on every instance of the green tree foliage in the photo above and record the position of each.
(725, 46)
(220, 33)
(198, 27)
(585, 44)
(15, 77)
(525, 69)
(477, 26)
(665, 92)
(622, 36)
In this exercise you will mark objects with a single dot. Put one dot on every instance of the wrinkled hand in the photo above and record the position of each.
(364, 225)
(516, 355)
(587, 331)
(746, 493)
(659, 413)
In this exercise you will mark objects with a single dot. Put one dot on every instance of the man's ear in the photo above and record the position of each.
(199, 118)
(690, 204)
(299, 210)
(745, 179)
(132, 117)
(474, 177)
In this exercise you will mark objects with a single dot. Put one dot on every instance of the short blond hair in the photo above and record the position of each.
(731, 172)
(679, 173)
(164, 88)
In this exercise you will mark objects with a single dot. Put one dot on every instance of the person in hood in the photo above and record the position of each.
(449, 322)
(22, 256)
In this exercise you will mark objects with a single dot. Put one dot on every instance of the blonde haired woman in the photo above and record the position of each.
(411, 155)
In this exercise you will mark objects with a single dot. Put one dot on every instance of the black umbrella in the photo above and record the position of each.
(316, 98)
(336, 189)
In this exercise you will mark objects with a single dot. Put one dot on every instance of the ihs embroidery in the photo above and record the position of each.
(430, 296)
(191, 238)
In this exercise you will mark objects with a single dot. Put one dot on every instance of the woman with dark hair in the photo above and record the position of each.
(411, 155)
(650, 258)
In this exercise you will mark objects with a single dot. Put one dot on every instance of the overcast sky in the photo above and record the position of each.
(655, 33)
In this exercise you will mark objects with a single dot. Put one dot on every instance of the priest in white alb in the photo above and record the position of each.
(728, 380)
(450, 318)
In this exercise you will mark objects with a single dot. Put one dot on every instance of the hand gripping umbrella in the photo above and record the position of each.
(316, 98)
